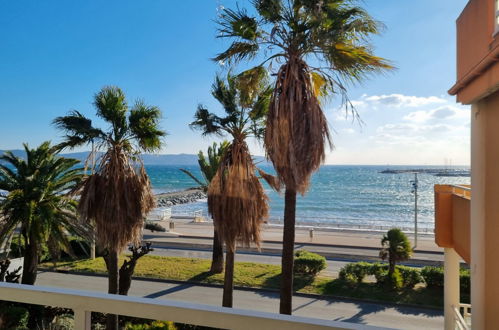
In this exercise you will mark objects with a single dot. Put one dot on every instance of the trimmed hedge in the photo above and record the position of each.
(395, 281)
(433, 277)
(410, 276)
(355, 271)
(308, 263)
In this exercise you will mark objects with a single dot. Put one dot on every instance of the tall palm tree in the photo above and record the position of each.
(236, 199)
(319, 47)
(79, 131)
(118, 195)
(209, 167)
(39, 201)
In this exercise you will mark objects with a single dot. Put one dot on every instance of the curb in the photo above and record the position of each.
(249, 289)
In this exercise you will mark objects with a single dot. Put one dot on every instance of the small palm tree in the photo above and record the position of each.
(118, 195)
(39, 201)
(209, 167)
(395, 247)
(319, 47)
(236, 199)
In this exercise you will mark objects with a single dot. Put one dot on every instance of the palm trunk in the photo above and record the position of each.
(217, 259)
(391, 267)
(92, 243)
(92, 170)
(30, 263)
(287, 260)
(229, 277)
(113, 282)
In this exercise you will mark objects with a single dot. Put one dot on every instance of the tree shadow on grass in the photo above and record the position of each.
(274, 283)
(201, 277)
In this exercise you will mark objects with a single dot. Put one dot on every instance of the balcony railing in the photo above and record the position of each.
(83, 303)
(462, 319)
(453, 218)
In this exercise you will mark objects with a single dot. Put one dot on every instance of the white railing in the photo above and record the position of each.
(461, 320)
(160, 214)
(83, 303)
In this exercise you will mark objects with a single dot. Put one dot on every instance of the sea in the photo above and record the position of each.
(338, 196)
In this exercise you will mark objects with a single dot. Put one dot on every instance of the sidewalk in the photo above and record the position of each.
(333, 244)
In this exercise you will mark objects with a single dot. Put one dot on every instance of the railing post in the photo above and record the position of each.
(83, 319)
(451, 287)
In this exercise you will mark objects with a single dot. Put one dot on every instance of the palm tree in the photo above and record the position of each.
(209, 167)
(236, 199)
(118, 195)
(396, 247)
(333, 35)
(79, 131)
(39, 201)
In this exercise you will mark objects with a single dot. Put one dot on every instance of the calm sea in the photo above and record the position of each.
(353, 195)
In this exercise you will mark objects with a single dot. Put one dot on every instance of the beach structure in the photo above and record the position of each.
(467, 224)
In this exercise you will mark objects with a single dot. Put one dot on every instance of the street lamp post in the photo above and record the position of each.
(415, 192)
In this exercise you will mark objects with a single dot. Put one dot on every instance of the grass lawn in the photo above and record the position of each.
(255, 275)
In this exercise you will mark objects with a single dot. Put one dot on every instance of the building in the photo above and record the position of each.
(477, 85)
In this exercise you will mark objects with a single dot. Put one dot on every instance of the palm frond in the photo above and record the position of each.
(270, 10)
(237, 23)
(111, 106)
(238, 51)
(144, 122)
(206, 122)
(203, 185)
(79, 130)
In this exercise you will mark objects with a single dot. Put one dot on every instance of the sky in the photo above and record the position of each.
(55, 55)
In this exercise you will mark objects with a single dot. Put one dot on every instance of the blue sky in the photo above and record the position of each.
(57, 54)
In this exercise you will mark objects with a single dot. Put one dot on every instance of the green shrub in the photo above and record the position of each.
(377, 268)
(62, 322)
(155, 325)
(14, 317)
(394, 282)
(308, 263)
(465, 281)
(433, 276)
(355, 271)
(410, 276)
(152, 226)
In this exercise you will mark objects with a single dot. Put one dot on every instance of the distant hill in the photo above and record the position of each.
(149, 159)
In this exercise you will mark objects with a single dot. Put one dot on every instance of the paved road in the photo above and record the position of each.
(332, 309)
(334, 252)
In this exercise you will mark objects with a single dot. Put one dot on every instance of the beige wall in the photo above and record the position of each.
(485, 213)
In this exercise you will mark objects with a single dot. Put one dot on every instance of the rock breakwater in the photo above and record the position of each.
(179, 197)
